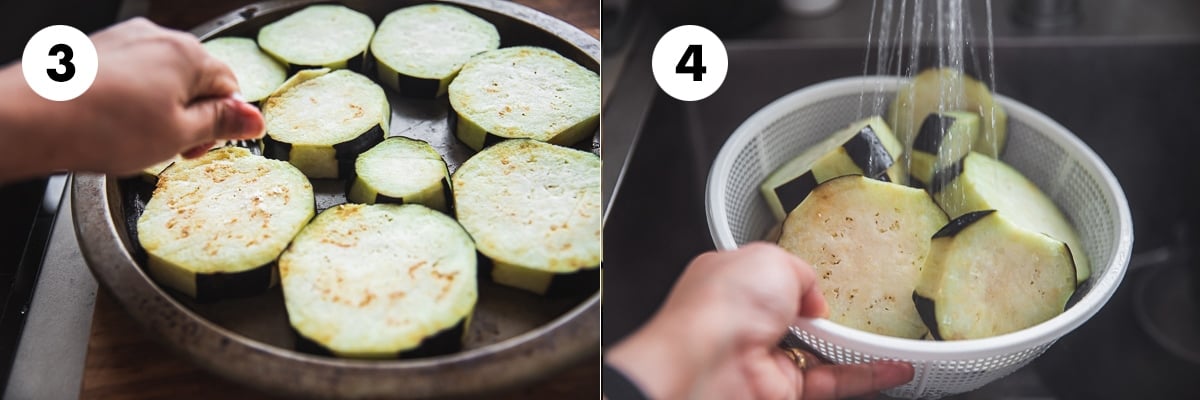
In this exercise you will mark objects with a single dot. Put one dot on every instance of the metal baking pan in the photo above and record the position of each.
(514, 339)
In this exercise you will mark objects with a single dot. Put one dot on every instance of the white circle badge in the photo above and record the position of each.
(59, 63)
(689, 62)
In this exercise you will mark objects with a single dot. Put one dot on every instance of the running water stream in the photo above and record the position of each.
(906, 37)
(952, 39)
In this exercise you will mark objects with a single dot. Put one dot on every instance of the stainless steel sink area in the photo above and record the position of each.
(1128, 86)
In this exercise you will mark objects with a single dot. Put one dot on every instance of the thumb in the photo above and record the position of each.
(223, 118)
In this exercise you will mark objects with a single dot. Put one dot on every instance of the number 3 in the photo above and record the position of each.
(697, 69)
(64, 53)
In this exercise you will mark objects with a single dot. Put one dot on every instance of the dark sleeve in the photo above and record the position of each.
(616, 386)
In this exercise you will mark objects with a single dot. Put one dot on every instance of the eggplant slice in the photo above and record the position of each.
(946, 89)
(319, 36)
(419, 49)
(866, 148)
(150, 174)
(320, 121)
(534, 211)
(979, 182)
(868, 241)
(380, 281)
(987, 276)
(524, 92)
(944, 139)
(257, 73)
(215, 225)
(402, 171)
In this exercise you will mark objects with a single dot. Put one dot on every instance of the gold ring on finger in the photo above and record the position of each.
(798, 357)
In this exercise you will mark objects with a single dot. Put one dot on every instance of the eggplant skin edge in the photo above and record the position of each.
(958, 224)
(926, 309)
(445, 341)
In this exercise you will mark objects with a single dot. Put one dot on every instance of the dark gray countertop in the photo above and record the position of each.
(50, 358)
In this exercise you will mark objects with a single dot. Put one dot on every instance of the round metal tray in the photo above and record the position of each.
(515, 337)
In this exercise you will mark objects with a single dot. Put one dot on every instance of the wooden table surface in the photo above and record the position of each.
(124, 363)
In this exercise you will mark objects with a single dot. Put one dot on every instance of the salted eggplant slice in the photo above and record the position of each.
(257, 73)
(419, 49)
(215, 225)
(319, 36)
(534, 211)
(524, 92)
(871, 152)
(380, 281)
(987, 276)
(979, 182)
(866, 147)
(320, 121)
(867, 241)
(402, 171)
(150, 174)
(947, 89)
(944, 138)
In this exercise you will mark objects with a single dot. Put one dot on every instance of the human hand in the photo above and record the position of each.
(157, 93)
(716, 335)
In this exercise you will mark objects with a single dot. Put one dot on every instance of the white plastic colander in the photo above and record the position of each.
(1046, 152)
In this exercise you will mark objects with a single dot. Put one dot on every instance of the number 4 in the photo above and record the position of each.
(697, 69)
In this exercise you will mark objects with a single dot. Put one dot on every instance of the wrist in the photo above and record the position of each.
(26, 134)
(655, 366)
(670, 353)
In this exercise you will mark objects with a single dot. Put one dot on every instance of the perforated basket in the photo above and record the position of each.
(1046, 152)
